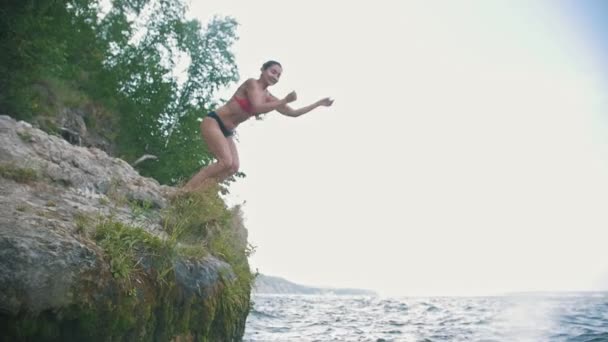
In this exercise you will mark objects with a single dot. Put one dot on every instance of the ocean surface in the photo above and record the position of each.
(518, 318)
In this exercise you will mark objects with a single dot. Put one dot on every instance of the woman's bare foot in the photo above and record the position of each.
(175, 193)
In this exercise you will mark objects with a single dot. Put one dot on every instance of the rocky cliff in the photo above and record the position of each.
(91, 251)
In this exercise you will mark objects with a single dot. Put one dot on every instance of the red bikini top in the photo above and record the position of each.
(244, 103)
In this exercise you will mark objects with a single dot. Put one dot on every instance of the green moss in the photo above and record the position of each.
(48, 125)
(128, 246)
(194, 217)
(114, 193)
(232, 306)
(81, 221)
(141, 208)
(25, 136)
(22, 207)
(191, 251)
(18, 174)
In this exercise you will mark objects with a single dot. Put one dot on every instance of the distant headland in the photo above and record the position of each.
(265, 284)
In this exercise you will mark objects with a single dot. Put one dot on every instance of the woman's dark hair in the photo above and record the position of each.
(269, 64)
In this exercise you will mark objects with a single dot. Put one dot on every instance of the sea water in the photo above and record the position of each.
(517, 318)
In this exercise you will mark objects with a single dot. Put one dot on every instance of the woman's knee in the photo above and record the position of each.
(234, 168)
(226, 164)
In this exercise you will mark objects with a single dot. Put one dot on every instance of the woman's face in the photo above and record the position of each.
(272, 74)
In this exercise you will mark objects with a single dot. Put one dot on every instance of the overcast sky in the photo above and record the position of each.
(466, 152)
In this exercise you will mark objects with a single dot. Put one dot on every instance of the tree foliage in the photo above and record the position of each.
(153, 69)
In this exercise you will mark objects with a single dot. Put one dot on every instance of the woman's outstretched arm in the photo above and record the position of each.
(288, 111)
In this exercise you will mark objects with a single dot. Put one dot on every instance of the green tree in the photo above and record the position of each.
(159, 114)
(125, 65)
(39, 39)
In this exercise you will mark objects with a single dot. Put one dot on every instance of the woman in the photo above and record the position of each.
(251, 98)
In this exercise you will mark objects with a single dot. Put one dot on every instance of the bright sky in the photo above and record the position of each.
(466, 152)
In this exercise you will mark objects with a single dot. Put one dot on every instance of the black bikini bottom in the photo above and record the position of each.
(227, 133)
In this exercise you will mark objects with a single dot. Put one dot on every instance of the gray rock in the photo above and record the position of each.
(49, 267)
(79, 168)
(40, 264)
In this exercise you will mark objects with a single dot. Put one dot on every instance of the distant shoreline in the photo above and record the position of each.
(265, 284)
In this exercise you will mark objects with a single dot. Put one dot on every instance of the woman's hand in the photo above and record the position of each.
(291, 97)
(326, 102)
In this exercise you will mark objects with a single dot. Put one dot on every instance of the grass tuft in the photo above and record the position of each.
(18, 174)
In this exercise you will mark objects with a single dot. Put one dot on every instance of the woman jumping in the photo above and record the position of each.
(251, 98)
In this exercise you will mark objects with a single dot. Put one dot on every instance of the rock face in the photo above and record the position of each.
(87, 251)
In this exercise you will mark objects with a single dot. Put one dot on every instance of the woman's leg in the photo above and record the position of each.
(234, 166)
(235, 157)
(219, 146)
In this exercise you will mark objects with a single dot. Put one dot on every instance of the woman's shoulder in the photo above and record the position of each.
(245, 86)
(250, 82)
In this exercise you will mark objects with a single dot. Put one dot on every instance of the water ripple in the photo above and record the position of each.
(483, 319)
